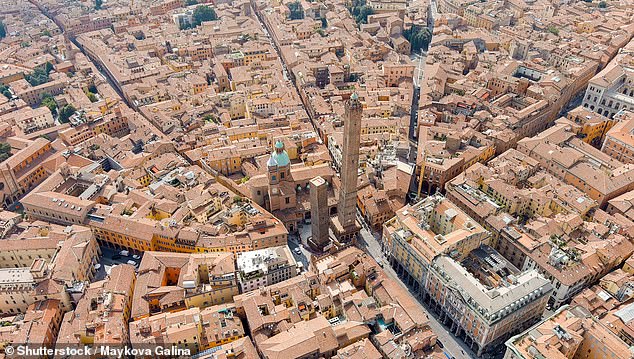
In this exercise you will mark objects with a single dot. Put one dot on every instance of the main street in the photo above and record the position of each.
(371, 244)
(452, 346)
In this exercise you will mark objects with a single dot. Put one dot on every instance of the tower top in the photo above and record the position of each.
(354, 104)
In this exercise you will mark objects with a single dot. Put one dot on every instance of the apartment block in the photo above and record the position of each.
(612, 89)
(265, 267)
(196, 329)
(36, 271)
(101, 315)
(579, 164)
(421, 232)
(484, 299)
(37, 328)
(171, 282)
(571, 263)
(619, 140)
(571, 332)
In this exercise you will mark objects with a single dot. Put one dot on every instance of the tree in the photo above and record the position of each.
(324, 23)
(203, 13)
(4, 89)
(191, 2)
(3, 30)
(603, 5)
(46, 33)
(98, 4)
(211, 118)
(418, 37)
(49, 101)
(296, 10)
(5, 151)
(553, 30)
(360, 11)
(91, 96)
(66, 112)
(39, 75)
(364, 12)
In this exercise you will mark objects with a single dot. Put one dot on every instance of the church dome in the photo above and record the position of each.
(279, 157)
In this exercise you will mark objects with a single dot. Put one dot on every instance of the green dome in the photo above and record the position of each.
(279, 144)
(281, 158)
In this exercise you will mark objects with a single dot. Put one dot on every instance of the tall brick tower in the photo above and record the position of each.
(320, 219)
(347, 227)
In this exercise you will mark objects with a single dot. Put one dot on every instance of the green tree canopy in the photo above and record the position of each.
(360, 11)
(418, 37)
(4, 89)
(49, 101)
(203, 13)
(65, 113)
(91, 96)
(603, 4)
(3, 30)
(211, 118)
(553, 30)
(296, 10)
(98, 4)
(39, 75)
(191, 2)
(5, 151)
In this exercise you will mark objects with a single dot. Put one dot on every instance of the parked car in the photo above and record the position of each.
(97, 266)
(124, 253)
(136, 256)
(297, 251)
(132, 263)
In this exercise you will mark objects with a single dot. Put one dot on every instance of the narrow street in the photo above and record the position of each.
(102, 72)
(287, 73)
(452, 346)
